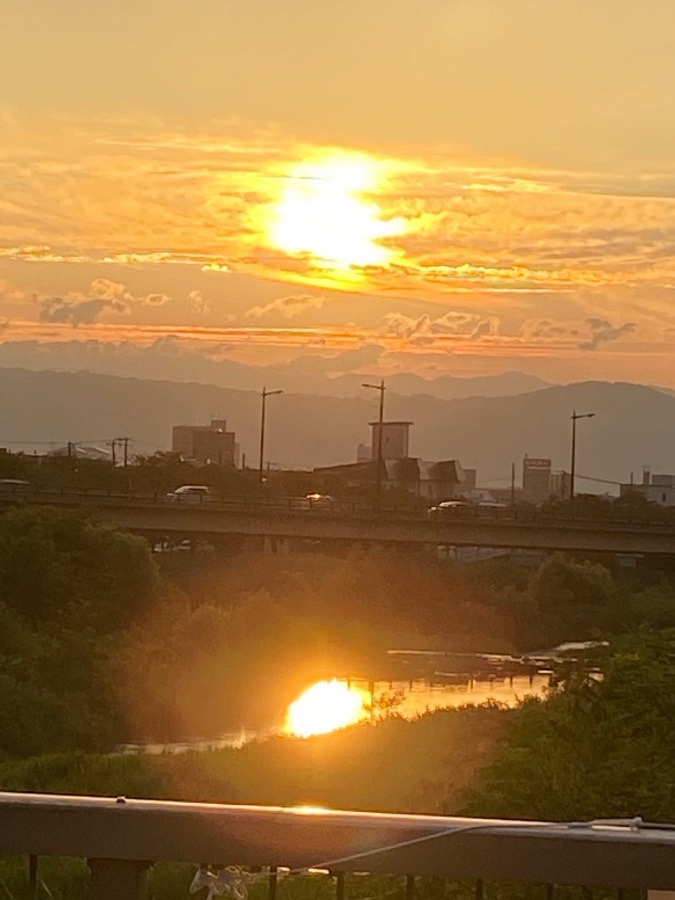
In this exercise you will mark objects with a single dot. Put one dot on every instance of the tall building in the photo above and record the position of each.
(206, 443)
(658, 489)
(536, 480)
(560, 485)
(394, 440)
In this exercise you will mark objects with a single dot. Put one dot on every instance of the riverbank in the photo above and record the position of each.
(398, 765)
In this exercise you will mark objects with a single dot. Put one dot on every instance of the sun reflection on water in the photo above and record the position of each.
(324, 707)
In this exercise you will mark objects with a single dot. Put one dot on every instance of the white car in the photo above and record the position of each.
(447, 507)
(316, 500)
(189, 493)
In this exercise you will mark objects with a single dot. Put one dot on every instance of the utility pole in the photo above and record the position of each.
(575, 417)
(513, 485)
(125, 442)
(380, 431)
(264, 395)
(114, 446)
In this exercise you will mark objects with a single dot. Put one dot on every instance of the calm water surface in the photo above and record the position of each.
(409, 700)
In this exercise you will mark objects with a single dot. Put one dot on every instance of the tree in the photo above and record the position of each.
(58, 565)
(54, 688)
(579, 599)
(597, 747)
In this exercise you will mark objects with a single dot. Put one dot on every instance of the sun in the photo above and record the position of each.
(324, 707)
(326, 211)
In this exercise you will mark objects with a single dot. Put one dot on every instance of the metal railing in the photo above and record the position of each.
(121, 838)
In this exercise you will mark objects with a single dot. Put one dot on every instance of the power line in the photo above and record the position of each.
(599, 480)
(104, 440)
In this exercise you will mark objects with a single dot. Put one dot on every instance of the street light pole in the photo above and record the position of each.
(573, 465)
(264, 395)
(380, 430)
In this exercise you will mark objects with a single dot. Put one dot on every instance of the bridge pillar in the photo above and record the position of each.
(113, 879)
(274, 545)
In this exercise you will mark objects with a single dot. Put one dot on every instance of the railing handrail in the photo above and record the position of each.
(624, 853)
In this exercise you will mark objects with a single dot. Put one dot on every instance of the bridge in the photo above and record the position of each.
(121, 838)
(296, 520)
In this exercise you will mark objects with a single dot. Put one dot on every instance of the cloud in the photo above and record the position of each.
(155, 299)
(288, 307)
(602, 332)
(44, 254)
(586, 335)
(472, 225)
(399, 325)
(485, 328)
(425, 330)
(12, 294)
(103, 295)
(453, 323)
(548, 330)
(80, 312)
(115, 290)
(199, 302)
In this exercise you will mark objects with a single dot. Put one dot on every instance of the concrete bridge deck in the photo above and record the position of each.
(497, 530)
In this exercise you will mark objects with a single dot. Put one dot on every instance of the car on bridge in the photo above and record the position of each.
(312, 500)
(190, 493)
(448, 507)
(455, 507)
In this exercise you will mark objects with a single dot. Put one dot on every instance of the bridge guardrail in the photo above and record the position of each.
(121, 838)
(301, 506)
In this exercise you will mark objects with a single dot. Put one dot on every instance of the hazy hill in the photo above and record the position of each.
(450, 387)
(635, 425)
(330, 376)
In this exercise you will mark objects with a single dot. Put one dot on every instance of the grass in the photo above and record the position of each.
(398, 765)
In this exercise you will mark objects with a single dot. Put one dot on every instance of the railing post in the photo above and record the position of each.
(340, 886)
(272, 884)
(33, 874)
(113, 879)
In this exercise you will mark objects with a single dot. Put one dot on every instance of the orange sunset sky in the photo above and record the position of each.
(461, 186)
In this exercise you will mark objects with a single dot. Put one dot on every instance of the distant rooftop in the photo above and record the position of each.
(389, 422)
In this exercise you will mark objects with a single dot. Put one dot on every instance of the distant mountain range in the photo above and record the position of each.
(449, 387)
(330, 375)
(634, 424)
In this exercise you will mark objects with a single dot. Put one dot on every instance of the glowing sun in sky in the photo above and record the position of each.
(327, 211)
(325, 706)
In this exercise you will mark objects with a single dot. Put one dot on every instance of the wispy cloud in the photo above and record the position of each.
(426, 330)
(488, 256)
(159, 195)
(288, 307)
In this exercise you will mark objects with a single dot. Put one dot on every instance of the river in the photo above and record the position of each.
(405, 698)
